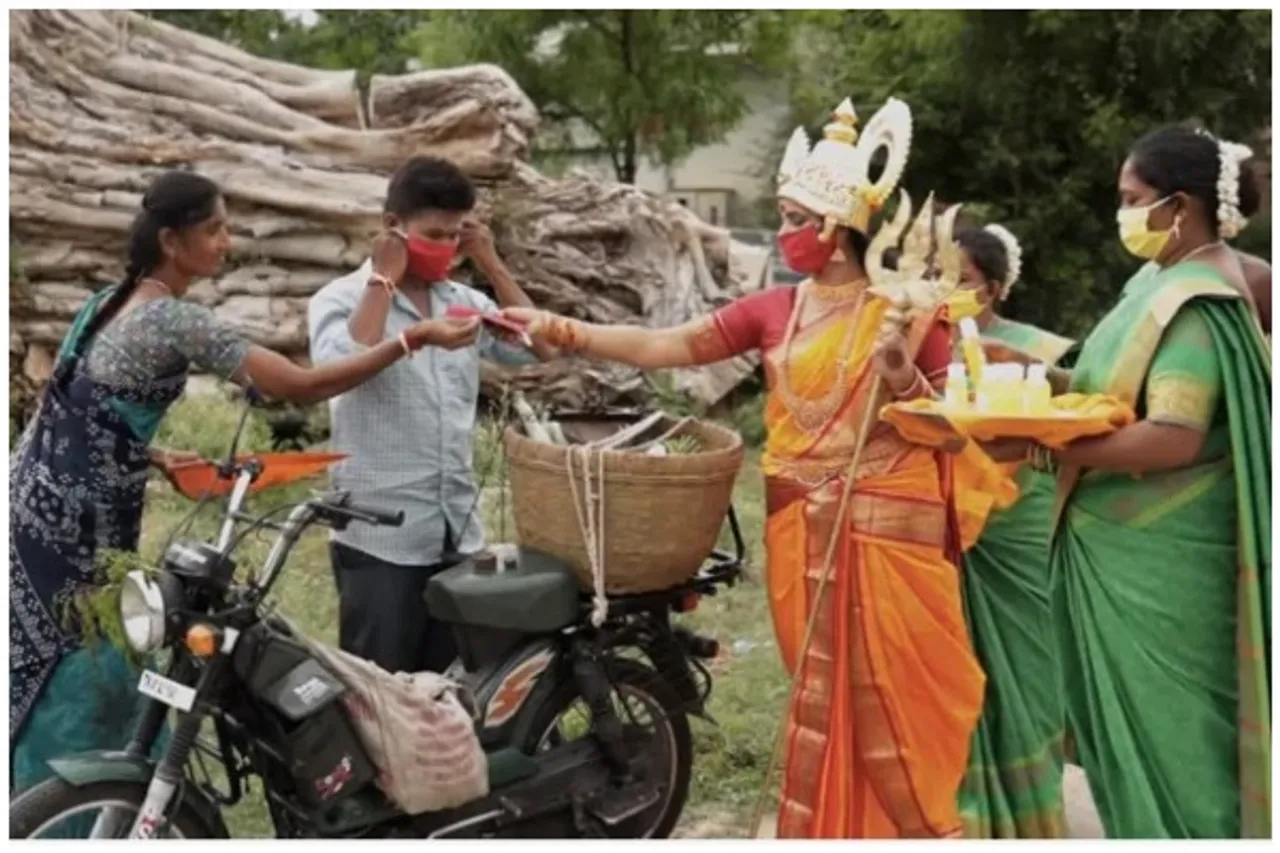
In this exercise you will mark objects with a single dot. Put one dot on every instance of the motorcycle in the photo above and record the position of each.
(585, 729)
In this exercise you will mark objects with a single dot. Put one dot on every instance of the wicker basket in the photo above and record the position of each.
(662, 514)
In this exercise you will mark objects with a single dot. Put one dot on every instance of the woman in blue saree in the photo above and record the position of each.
(79, 473)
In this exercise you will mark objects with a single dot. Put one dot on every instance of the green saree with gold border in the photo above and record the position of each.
(1013, 784)
(1161, 584)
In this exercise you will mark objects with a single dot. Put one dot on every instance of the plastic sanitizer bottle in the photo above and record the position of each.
(955, 394)
(971, 347)
(1037, 396)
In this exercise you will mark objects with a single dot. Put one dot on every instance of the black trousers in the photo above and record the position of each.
(382, 615)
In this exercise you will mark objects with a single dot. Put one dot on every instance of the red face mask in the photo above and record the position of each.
(804, 251)
(430, 260)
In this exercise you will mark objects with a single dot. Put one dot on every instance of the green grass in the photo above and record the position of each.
(749, 688)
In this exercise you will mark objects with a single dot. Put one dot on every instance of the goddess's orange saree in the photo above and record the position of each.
(890, 690)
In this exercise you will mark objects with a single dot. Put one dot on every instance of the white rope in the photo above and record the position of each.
(590, 513)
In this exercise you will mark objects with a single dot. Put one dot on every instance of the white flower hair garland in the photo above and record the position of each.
(1230, 155)
(1013, 249)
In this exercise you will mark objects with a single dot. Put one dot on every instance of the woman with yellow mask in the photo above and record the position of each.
(1013, 786)
(1160, 561)
(888, 689)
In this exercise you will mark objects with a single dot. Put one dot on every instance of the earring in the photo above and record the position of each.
(839, 256)
(1177, 227)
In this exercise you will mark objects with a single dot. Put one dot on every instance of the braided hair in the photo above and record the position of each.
(176, 201)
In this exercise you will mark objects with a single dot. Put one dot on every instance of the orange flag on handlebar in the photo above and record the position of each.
(194, 480)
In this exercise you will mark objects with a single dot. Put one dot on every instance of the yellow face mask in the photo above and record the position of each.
(963, 304)
(1137, 237)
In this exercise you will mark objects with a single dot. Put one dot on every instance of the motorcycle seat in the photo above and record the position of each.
(536, 594)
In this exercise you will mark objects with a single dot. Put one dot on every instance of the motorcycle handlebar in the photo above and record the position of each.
(341, 505)
(372, 515)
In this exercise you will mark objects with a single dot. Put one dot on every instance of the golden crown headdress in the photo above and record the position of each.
(930, 263)
(833, 178)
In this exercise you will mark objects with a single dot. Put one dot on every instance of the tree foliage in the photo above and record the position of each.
(640, 83)
(1027, 115)
(375, 41)
(1023, 115)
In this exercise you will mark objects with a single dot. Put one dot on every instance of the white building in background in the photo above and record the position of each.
(723, 183)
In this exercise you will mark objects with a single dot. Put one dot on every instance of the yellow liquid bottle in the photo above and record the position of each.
(986, 390)
(955, 394)
(997, 384)
(1016, 381)
(971, 347)
(1002, 386)
(1037, 396)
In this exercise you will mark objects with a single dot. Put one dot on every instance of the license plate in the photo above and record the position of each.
(166, 690)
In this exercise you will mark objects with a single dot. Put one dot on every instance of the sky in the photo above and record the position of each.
(306, 16)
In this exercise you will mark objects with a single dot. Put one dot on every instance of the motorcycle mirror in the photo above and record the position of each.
(252, 398)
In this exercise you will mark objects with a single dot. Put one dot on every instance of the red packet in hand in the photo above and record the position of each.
(510, 327)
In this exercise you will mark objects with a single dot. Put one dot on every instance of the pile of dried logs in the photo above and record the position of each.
(101, 102)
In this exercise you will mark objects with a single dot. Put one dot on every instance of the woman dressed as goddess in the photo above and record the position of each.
(888, 689)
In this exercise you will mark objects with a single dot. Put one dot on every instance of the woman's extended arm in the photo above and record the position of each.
(279, 378)
(734, 329)
(216, 348)
(647, 349)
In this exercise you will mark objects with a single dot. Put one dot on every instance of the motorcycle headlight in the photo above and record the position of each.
(142, 611)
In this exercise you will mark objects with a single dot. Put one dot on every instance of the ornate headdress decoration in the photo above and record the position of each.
(930, 262)
(1013, 251)
(833, 178)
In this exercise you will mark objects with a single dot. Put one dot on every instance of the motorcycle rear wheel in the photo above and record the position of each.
(639, 686)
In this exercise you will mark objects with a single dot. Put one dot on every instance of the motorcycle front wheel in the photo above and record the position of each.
(57, 809)
(657, 734)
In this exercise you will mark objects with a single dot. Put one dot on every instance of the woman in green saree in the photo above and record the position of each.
(1160, 562)
(1013, 784)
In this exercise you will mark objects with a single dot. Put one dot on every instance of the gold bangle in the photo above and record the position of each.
(387, 284)
(404, 342)
(563, 333)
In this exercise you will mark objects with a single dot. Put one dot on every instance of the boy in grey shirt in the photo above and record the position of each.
(408, 432)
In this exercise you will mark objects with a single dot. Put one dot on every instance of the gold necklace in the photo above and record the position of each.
(813, 415)
(1210, 245)
(837, 294)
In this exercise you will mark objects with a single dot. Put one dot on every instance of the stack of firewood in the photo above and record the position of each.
(102, 102)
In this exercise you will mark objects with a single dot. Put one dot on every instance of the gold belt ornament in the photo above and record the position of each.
(880, 454)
